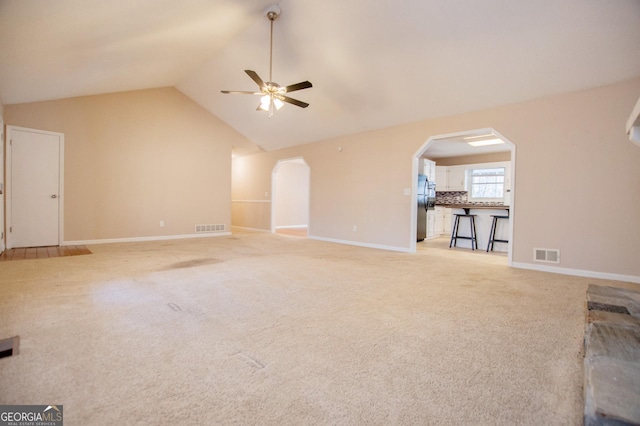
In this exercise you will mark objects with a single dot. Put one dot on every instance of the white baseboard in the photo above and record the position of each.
(578, 272)
(140, 239)
(292, 227)
(359, 244)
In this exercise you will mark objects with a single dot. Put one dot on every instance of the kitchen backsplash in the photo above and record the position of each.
(461, 197)
(451, 197)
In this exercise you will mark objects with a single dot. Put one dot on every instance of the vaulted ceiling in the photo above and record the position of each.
(373, 63)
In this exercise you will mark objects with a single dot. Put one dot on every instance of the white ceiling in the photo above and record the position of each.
(459, 146)
(373, 63)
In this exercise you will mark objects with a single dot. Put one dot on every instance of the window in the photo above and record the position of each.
(487, 184)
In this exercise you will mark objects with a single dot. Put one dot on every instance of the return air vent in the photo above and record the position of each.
(209, 228)
(9, 347)
(546, 255)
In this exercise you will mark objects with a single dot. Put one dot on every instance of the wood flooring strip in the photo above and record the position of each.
(43, 252)
(83, 250)
(19, 254)
(7, 255)
(30, 253)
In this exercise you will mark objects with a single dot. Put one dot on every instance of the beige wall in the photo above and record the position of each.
(133, 159)
(576, 187)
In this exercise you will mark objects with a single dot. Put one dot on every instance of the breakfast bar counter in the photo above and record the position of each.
(483, 218)
(468, 206)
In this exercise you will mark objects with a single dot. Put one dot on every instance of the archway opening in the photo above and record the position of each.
(290, 197)
(455, 152)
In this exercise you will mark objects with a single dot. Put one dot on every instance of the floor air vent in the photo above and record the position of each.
(209, 228)
(546, 255)
(9, 347)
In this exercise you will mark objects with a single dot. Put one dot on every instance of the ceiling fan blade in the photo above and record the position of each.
(293, 101)
(240, 92)
(255, 77)
(298, 86)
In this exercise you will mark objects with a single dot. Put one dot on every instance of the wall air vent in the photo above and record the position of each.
(546, 255)
(210, 228)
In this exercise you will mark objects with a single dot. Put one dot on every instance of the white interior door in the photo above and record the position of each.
(34, 196)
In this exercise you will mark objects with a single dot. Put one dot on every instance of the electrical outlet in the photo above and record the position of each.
(355, 228)
(266, 195)
(161, 223)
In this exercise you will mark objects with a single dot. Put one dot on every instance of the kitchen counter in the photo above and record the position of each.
(468, 206)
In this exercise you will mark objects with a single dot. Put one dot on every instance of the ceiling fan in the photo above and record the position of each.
(272, 94)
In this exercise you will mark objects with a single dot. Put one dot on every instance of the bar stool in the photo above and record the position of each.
(492, 233)
(472, 226)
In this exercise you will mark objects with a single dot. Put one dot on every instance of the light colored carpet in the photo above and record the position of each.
(270, 329)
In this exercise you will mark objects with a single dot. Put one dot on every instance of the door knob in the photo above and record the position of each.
(54, 196)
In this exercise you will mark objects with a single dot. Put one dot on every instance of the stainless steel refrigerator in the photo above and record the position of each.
(426, 201)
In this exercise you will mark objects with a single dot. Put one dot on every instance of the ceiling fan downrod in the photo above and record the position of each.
(272, 15)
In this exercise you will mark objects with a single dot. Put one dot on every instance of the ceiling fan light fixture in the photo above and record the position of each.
(266, 100)
(264, 103)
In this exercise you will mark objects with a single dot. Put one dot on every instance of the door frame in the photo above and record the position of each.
(8, 218)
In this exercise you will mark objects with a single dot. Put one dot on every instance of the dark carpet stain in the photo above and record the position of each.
(193, 263)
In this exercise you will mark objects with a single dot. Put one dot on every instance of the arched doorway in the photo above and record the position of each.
(459, 141)
(290, 190)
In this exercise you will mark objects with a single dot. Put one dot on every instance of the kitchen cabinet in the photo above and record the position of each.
(439, 221)
(456, 178)
(507, 176)
(442, 221)
(450, 178)
(441, 178)
(431, 225)
(430, 170)
(447, 222)
(507, 184)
